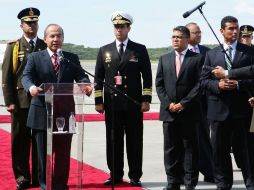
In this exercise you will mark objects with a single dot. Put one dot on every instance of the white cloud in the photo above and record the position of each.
(246, 7)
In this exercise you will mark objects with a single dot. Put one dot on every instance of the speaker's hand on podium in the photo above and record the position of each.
(87, 89)
(99, 108)
(34, 90)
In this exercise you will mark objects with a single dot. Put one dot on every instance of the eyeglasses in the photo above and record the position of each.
(177, 37)
(196, 33)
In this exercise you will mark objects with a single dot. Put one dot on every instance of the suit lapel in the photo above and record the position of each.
(171, 62)
(221, 61)
(184, 63)
(238, 55)
(128, 52)
(39, 45)
(47, 61)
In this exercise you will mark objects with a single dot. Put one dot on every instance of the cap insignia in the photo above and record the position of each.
(31, 13)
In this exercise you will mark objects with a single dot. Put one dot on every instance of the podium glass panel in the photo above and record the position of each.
(65, 129)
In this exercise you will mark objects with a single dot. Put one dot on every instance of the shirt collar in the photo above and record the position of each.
(233, 45)
(191, 46)
(50, 52)
(184, 52)
(125, 42)
(28, 39)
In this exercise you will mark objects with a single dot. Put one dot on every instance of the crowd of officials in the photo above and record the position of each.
(206, 98)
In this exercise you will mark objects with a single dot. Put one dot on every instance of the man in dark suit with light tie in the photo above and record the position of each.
(177, 85)
(204, 142)
(228, 108)
(43, 67)
(17, 101)
(125, 65)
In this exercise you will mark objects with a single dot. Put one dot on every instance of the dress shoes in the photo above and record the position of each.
(209, 179)
(35, 184)
(109, 181)
(135, 182)
(20, 185)
(189, 187)
(172, 187)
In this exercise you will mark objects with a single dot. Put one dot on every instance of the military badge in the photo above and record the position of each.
(21, 55)
(108, 57)
(133, 58)
(31, 13)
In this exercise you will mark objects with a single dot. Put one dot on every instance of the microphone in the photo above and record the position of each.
(60, 55)
(188, 13)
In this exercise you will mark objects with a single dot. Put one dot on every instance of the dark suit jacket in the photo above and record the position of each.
(13, 90)
(221, 103)
(184, 89)
(245, 72)
(203, 49)
(39, 69)
(135, 68)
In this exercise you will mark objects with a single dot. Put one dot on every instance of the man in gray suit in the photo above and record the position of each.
(203, 130)
(42, 67)
(177, 85)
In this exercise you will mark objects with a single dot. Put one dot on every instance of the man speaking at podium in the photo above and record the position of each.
(45, 67)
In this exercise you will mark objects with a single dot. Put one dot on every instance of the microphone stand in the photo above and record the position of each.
(113, 89)
(223, 50)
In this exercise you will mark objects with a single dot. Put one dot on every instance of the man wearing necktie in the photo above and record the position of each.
(203, 130)
(228, 109)
(16, 99)
(42, 67)
(125, 65)
(177, 86)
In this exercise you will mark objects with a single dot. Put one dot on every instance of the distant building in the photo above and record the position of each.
(2, 50)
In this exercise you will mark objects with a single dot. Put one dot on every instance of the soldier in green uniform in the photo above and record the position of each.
(126, 65)
(246, 35)
(17, 101)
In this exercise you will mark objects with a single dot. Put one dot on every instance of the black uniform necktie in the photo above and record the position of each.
(31, 42)
(121, 52)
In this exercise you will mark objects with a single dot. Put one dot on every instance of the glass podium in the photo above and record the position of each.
(65, 129)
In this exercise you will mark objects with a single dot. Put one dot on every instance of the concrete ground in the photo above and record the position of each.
(154, 177)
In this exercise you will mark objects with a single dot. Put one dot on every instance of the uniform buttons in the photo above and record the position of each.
(125, 86)
(125, 94)
(115, 94)
(115, 86)
(125, 77)
(17, 87)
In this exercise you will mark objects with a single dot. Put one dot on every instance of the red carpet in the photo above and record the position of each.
(93, 178)
(90, 117)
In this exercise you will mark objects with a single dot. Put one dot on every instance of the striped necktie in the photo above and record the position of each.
(55, 63)
(229, 58)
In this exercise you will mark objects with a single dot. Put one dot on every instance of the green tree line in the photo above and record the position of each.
(87, 53)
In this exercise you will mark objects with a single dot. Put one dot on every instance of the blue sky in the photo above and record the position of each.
(88, 22)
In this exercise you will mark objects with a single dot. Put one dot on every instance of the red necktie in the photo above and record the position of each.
(55, 63)
(178, 62)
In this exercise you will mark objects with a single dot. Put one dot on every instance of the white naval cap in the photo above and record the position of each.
(120, 17)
